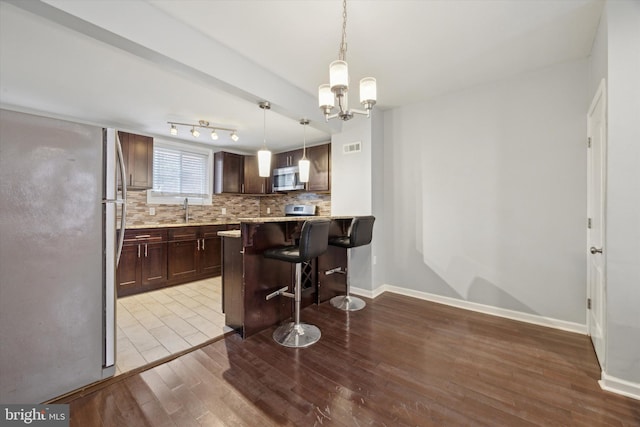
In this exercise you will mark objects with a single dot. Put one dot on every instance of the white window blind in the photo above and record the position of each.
(180, 172)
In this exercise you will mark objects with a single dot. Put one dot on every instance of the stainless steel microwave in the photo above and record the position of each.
(287, 179)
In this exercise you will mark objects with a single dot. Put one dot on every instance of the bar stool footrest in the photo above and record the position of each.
(348, 303)
(296, 335)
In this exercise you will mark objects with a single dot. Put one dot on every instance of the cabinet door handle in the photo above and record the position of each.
(203, 244)
(145, 250)
(138, 251)
(198, 244)
(262, 188)
(130, 179)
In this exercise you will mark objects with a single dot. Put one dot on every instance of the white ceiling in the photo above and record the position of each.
(137, 64)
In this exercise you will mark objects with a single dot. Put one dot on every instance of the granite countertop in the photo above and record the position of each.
(260, 220)
(181, 224)
(251, 220)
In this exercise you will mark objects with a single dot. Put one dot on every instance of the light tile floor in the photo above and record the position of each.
(156, 324)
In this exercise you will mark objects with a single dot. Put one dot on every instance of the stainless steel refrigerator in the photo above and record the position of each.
(58, 255)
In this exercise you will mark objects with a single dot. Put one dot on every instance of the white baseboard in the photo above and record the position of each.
(618, 386)
(474, 306)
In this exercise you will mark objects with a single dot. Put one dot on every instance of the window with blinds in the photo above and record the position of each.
(179, 172)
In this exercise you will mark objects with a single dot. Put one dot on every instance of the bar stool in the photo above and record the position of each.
(313, 242)
(360, 234)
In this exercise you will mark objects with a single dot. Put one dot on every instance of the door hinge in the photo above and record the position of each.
(588, 222)
(589, 303)
(589, 142)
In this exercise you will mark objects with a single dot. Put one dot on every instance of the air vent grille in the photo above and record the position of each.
(354, 147)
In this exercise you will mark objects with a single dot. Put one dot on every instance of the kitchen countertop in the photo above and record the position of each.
(181, 224)
(230, 233)
(251, 220)
(260, 220)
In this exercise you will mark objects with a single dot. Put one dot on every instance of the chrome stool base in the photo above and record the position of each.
(296, 335)
(348, 303)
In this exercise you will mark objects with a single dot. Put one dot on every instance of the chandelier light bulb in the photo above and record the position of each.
(234, 136)
(195, 132)
(214, 135)
(174, 130)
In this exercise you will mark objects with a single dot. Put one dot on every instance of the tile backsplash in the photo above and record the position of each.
(236, 206)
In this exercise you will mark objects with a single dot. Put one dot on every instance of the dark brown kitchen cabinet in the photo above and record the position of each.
(210, 260)
(228, 172)
(288, 158)
(320, 168)
(137, 153)
(253, 182)
(194, 253)
(143, 262)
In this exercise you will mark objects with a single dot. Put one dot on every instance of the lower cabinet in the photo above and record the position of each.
(194, 253)
(143, 262)
(155, 258)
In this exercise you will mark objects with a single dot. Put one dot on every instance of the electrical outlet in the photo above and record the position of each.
(224, 211)
(268, 210)
(152, 211)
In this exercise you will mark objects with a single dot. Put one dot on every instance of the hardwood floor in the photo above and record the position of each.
(399, 362)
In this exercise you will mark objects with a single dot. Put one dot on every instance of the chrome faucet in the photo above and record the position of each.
(185, 206)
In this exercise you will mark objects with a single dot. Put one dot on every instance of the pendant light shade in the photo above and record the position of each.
(303, 167)
(264, 155)
(325, 97)
(264, 163)
(339, 75)
(368, 90)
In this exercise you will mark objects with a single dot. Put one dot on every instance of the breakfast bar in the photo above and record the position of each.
(248, 277)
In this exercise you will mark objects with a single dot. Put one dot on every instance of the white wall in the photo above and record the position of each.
(352, 188)
(622, 246)
(485, 194)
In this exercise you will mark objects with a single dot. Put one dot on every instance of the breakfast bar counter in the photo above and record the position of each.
(248, 277)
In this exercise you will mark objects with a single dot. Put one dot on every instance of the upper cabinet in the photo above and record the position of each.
(288, 158)
(137, 153)
(320, 171)
(253, 182)
(228, 172)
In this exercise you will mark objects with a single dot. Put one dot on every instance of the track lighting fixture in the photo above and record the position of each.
(203, 124)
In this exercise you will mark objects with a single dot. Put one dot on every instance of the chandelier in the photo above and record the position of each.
(203, 124)
(338, 85)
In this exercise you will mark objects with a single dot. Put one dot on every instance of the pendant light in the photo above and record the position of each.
(304, 164)
(264, 155)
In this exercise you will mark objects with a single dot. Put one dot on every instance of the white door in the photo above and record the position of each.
(596, 199)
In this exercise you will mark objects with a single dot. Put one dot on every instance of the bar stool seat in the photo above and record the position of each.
(360, 234)
(313, 242)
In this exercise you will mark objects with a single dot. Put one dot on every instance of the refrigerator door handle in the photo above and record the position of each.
(123, 202)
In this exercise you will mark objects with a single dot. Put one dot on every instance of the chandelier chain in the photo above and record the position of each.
(342, 53)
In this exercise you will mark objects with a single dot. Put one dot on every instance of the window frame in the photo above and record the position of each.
(156, 199)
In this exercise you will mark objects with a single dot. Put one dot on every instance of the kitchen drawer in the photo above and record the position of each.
(183, 233)
(144, 235)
